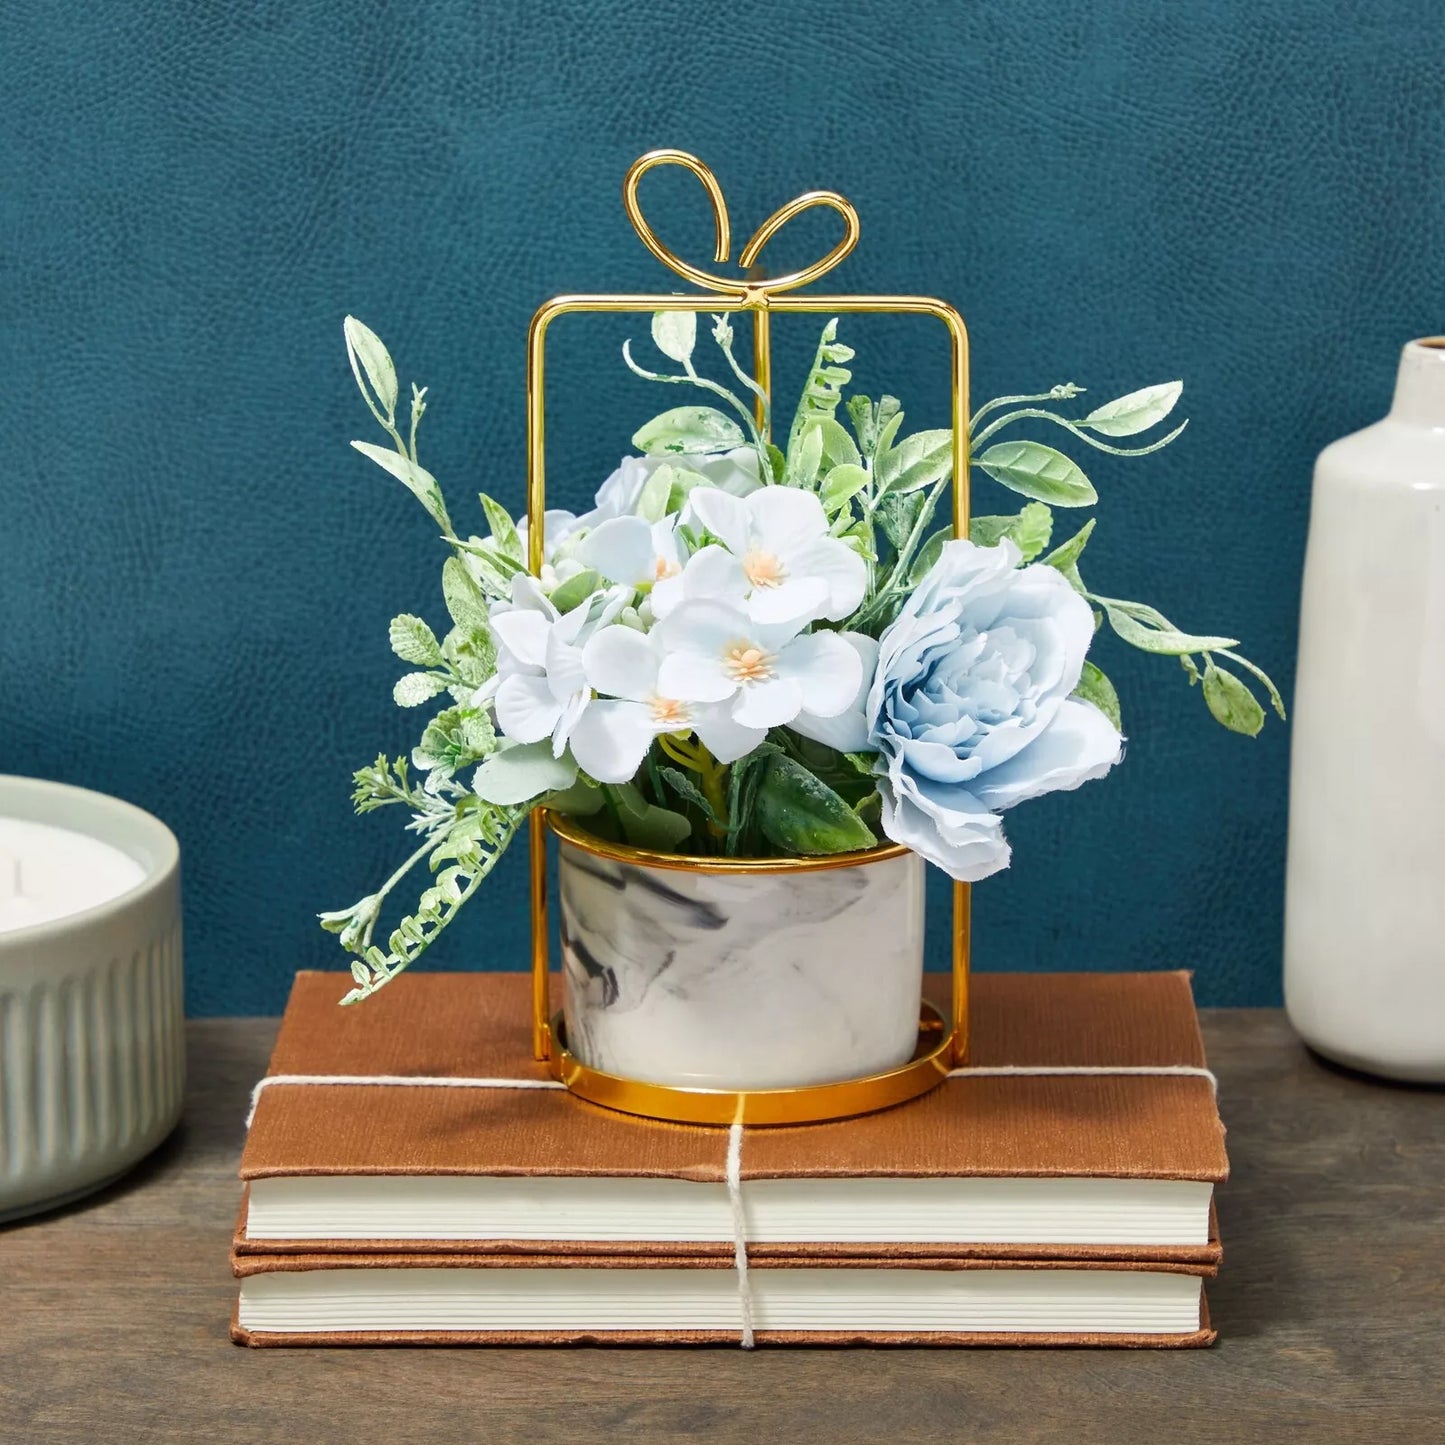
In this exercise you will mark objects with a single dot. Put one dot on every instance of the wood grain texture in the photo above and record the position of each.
(113, 1314)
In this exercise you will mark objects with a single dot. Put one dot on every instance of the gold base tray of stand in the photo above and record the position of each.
(932, 1059)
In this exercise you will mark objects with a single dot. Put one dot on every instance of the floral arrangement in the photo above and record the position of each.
(749, 650)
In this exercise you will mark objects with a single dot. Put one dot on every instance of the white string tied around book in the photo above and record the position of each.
(733, 1170)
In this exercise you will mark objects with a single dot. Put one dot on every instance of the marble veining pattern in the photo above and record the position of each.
(741, 981)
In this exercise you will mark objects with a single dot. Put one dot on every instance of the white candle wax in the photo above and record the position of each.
(48, 872)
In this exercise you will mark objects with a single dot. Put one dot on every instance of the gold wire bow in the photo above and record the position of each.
(761, 297)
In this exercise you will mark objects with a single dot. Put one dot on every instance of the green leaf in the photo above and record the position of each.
(1066, 557)
(416, 688)
(504, 530)
(576, 590)
(1094, 687)
(656, 494)
(491, 572)
(522, 772)
(930, 552)
(455, 739)
(689, 792)
(841, 485)
(413, 641)
(464, 599)
(1276, 701)
(371, 365)
(804, 458)
(1166, 640)
(417, 480)
(675, 333)
(688, 431)
(801, 814)
(1136, 412)
(1040, 472)
(1029, 530)
(777, 462)
(917, 461)
(581, 800)
(823, 389)
(898, 515)
(643, 824)
(1231, 702)
(838, 446)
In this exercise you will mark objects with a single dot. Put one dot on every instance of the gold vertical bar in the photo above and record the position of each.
(962, 892)
(763, 368)
(536, 514)
(541, 1030)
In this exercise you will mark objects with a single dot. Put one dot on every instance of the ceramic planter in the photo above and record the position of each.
(762, 974)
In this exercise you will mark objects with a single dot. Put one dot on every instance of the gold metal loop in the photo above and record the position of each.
(780, 218)
(755, 292)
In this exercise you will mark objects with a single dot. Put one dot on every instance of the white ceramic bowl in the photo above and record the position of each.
(92, 1014)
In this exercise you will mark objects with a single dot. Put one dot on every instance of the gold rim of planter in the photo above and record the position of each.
(811, 1104)
(572, 832)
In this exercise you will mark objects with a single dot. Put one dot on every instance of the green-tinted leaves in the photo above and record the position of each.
(462, 595)
(519, 774)
(581, 800)
(1094, 687)
(643, 824)
(1156, 634)
(1136, 412)
(657, 491)
(1034, 470)
(1276, 701)
(675, 333)
(929, 553)
(841, 485)
(1066, 557)
(689, 792)
(504, 530)
(898, 515)
(798, 813)
(917, 461)
(805, 456)
(838, 446)
(416, 688)
(372, 367)
(413, 641)
(417, 480)
(1029, 530)
(1231, 702)
(823, 389)
(576, 590)
(455, 739)
(688, 431)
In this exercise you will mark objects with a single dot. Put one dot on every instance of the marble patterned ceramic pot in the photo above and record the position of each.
(754, 974)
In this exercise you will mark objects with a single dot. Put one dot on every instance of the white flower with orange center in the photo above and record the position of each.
(763, 673)
(774, 555)
(612, 737)
(640, 554)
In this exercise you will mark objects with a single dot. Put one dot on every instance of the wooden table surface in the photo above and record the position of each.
(1330, 1305)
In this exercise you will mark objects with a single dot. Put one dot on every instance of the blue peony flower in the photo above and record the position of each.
(969, 706)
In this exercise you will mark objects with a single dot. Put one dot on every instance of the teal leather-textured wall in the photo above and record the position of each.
(196, 573)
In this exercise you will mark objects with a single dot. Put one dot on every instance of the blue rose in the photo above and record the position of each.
(969, 705)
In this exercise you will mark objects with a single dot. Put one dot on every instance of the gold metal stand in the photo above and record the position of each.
(939, 1048)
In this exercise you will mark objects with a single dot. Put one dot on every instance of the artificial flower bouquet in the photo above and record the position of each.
(750, 650)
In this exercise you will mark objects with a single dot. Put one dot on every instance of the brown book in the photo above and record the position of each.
(1094, 1167)
(545, 1300)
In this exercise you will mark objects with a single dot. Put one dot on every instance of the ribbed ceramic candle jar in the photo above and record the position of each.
(768, 975)
(92, 1045)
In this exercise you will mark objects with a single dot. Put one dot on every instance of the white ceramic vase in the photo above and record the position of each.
(1365, 911)
(741, 979)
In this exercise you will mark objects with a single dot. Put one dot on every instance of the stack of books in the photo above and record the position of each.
(1001, 1208)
